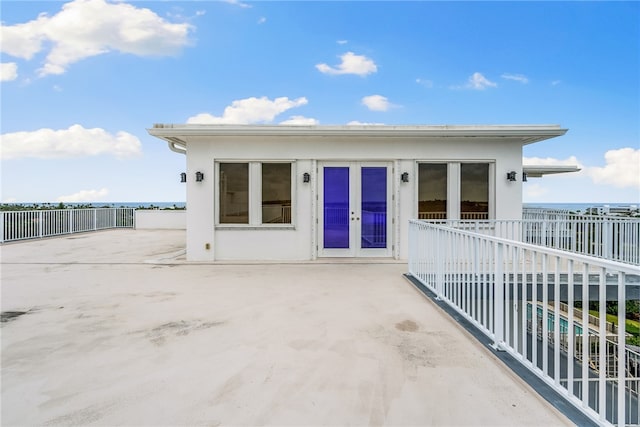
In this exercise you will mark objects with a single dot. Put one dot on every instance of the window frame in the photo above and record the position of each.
(489, 210)
(447, 192)
(454, 179)
(254, 195)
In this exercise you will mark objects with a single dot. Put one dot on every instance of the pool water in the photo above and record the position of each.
(564, 323)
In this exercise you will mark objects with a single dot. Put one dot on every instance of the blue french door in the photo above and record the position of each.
(354, 209)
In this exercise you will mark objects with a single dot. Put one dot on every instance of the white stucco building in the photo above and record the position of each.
(307, 192)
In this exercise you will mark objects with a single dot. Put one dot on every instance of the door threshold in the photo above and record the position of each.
(359, 260)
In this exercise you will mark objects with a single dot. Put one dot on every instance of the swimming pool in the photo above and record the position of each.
(564, 323)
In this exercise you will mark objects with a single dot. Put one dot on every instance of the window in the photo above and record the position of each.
(432, 191)
(234, 193)
(255, 193)
(474, 191)
(276, 193)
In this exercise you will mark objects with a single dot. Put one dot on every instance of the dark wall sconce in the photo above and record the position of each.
(511, 176)
(404, 177)
(199, 176)
(183, 177)
(524, 177)
(306, 177)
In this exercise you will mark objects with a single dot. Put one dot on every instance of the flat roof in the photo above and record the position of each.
(177, 134)
(133, 334)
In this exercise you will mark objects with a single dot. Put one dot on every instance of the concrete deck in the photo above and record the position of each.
(119, 330)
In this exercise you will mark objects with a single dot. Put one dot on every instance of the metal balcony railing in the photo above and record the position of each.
(616, 239)
(34, 224)
(495, 283)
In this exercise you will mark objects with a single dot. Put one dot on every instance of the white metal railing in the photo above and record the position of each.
(432, 215)
(546, 214)
(616, 239)
(443, 215)
(374, 227)
(33, 224)
(493, 281)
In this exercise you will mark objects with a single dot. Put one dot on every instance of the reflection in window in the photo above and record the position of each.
(234, 193)
(276, 193)
(432, 191)
(474, 191)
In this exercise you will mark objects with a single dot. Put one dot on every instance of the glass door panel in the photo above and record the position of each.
(373, 196)
(336, 208)
(354, 209)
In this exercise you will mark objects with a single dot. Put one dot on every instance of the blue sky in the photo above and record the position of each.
(82, 80)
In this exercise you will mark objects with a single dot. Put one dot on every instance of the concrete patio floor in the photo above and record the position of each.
(119, 330)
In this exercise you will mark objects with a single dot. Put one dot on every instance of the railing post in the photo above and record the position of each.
(95, 219)
(498, 293)
(439, 265)
(621, 347)
(71, 221)
(39, 223)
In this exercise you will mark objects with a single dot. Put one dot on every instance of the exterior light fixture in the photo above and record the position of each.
(306, 177)
(404, 177)
(511, 176)
(183, 177)
(199, 176)
(524, 177)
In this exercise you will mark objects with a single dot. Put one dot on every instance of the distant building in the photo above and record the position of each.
(309, 192)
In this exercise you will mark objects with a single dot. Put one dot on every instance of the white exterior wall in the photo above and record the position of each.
(299, 241)
(164, 219)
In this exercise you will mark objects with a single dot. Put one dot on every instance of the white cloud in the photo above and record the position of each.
(425, 83)
(358, 123)
(550, 161)
(8, 71)
(238, 3)
(250, 110)
(262, 20)
(516, 77)
(84, 196)
(622, 169)
(351, 64)
(85, 28)
(479, 82)
(73, 142)
(342, 41)
(534, 191)
(300, 120)
(376, 103)
(556, 82)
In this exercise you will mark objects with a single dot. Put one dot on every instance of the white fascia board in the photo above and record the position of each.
(525, 134)
(538, 171)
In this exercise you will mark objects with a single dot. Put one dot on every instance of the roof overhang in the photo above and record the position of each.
(534, 171)
(177, 135)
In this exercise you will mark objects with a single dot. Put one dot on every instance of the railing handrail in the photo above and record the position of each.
(34, 224)
(610, 238)
(599, 262)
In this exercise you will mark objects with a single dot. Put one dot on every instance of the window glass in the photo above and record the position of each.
(474, 191)
(234, 193)
(432, 191)
(276, 193)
